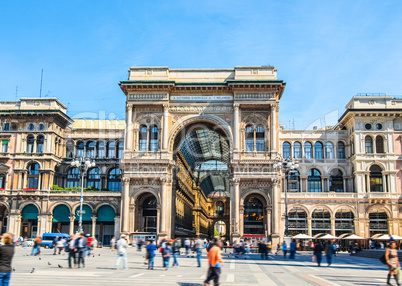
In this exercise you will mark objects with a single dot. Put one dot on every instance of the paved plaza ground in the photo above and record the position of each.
(346, 270)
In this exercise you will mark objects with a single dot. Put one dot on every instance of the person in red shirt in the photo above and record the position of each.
(215, 262)
(89, 244)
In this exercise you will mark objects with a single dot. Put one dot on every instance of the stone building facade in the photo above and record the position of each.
(196, 156)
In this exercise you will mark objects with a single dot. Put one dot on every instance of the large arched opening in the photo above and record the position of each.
(3, 218)
(200, 179)
(29, 221)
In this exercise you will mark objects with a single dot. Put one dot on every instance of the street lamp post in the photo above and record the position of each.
(287, 166)
(83, 165)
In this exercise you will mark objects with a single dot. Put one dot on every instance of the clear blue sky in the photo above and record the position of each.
(326, 51)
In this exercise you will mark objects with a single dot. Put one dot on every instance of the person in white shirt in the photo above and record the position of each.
(121, 247)
(187, 246)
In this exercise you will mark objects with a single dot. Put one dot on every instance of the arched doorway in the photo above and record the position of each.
(86, 219)
(201, 152)
(378, 223)
(344, 222)
(320, 222)
(254, 219)
(147, 214)
(3, 218)
(104, 230)
(29, 221)
(61, 219)
(298, 221)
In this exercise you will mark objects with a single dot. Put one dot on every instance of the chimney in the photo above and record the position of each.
(315, 128)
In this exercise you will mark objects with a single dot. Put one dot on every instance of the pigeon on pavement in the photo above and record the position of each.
(49, 263)
(33, 270)
(13, 269)
(59, 266)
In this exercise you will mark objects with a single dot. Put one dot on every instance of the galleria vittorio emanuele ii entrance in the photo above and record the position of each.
(199, 152)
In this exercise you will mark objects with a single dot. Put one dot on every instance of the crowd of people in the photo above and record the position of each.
(78, 246)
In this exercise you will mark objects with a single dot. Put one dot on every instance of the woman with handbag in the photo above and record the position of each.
(391, 257)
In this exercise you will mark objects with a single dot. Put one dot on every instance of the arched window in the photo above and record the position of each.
(111, 150)
(121, 150)
(153, 139)
(259, 139)
(336, 181)
(249, 138)
(378, 223)
(101, 150)
(80, 149)
(294, 181)
(30, 144)
(91, 149)
(297, 150)
(319, 152)
(375, 179)
(253, 216)
(220, 208)
(308, 150)
(297, 222)
(149, 214)
(341, 150)
(368, 141)
(379, 144)
(329, 150)
(33, 176)
(314, 181)
(73, 178)
(143, 138)
(321, 221)
(93, 180)
(70, 149)
(39, 143)
(114, 180)
(287, 151)
(344, 222)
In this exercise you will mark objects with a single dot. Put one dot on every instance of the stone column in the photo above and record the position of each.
(236, 127)
(273, 129)
(125, 204)
(129, 129)
(165, 126)
(268, 211)
(367, 183)
(309, 228)
(166, 207)
(235, 207)
(72, 218)
(333, 226)
(276, 213)
(93, 225)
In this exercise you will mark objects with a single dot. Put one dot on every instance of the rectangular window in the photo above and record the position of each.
(143, 144)
(249, 145)
(6, 126)
(4, 148)
(259, 145)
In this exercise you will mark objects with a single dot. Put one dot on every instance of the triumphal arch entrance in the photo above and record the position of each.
(199, 151)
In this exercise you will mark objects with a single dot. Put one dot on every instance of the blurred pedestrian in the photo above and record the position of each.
(284, 249)
(112, 243)
(293, 247)
(71, 251)
(81, 245)
(54, 245)
(329, 251)
(187, 243)
(215, 262)
(6, 256)
(317, 252)
(176, 252)
(391, 257)
(166, 253)
(36, 246)
(199, 246)
(60, 244)
(121, 247)
(151, 248)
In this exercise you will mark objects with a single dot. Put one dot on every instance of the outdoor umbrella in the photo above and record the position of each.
(328, 236)
(354, 237)
(388, 237)
(302, 236)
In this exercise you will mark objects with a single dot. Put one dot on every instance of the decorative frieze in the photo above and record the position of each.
(200, 109)
(254, 96)
(147, 96)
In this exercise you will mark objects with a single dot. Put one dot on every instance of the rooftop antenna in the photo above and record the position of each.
(41, 77)
(293, 124)
(16, 93)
